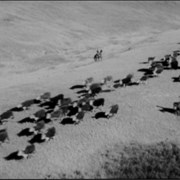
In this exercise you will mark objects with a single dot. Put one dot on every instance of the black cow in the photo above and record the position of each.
(68, 120)
(50, 133)
(97, 102)
(100, 115)
(113, 110)
(27, 132)
(4, 135)
(6, 115)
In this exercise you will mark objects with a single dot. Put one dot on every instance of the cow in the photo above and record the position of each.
(113, 110)
(100, 114)
(65, 101)
(39, 115)
(127, 80)
(97, 102)
(68, 120)
(6, 115)
(88, 81)
(79, 117)
(176, 107)
(44, 97)
(150, 59)
(174, 63)
(4, 136)
(107, 79)
(50, 134)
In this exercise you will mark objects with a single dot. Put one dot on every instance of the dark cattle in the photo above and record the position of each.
(3, 135)
(107, 79)
(27, 104)
(65, 101)
(79, 117)
(68, 120)
(176, 79)
(64, 109)
(77, 87)
(6, 115)
(27, 132)
(86, 107)
(57, 98)
(174, 63)
(29, 149)
(98, 55)
(38, 138)
(176, 107)
(97, 102)
(117, 85)
(113, 110)
(44, 97)
(127, 79)
(50, 133)
(73, 110)
(88, 81)
(57, 113)
(151, 59)
(100, 115)
(39, 125)
(39, 114)
(95, 90)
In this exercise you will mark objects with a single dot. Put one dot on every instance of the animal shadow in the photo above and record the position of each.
(165, 109)
(176, 79)
(145, 62)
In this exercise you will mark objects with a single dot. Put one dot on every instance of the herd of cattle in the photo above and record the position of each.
(68, 111)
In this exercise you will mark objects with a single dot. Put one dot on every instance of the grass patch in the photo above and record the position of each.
(161, 160)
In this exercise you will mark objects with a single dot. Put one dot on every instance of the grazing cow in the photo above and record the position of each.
(100, 115)
(39, 114)
(3, 135)
(57, 98)
(39, 125)
(6, 115)
(79, 117)
(24, 105)
(176, 107)
(50, 133)
(57, 113)
(98, 55)
(113, 110)
(95, 88)
(68, 120)
(143, 79)
(65, 102)
(44, 97)
(150, 59)
(97, 102)
(86, 107)
(127, 80)
(107, 79)
(38, 138)
(29, 149)
(88, 81)
(174, 63)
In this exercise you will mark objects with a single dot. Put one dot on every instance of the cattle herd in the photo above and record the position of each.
(72, 112)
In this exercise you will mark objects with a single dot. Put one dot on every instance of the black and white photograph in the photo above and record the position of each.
(89, 89)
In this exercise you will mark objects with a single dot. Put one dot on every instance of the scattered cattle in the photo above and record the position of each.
(50, 133)
(38, 138)
(68, 120)
(27, 132)
(113, 110)
(44, 97)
